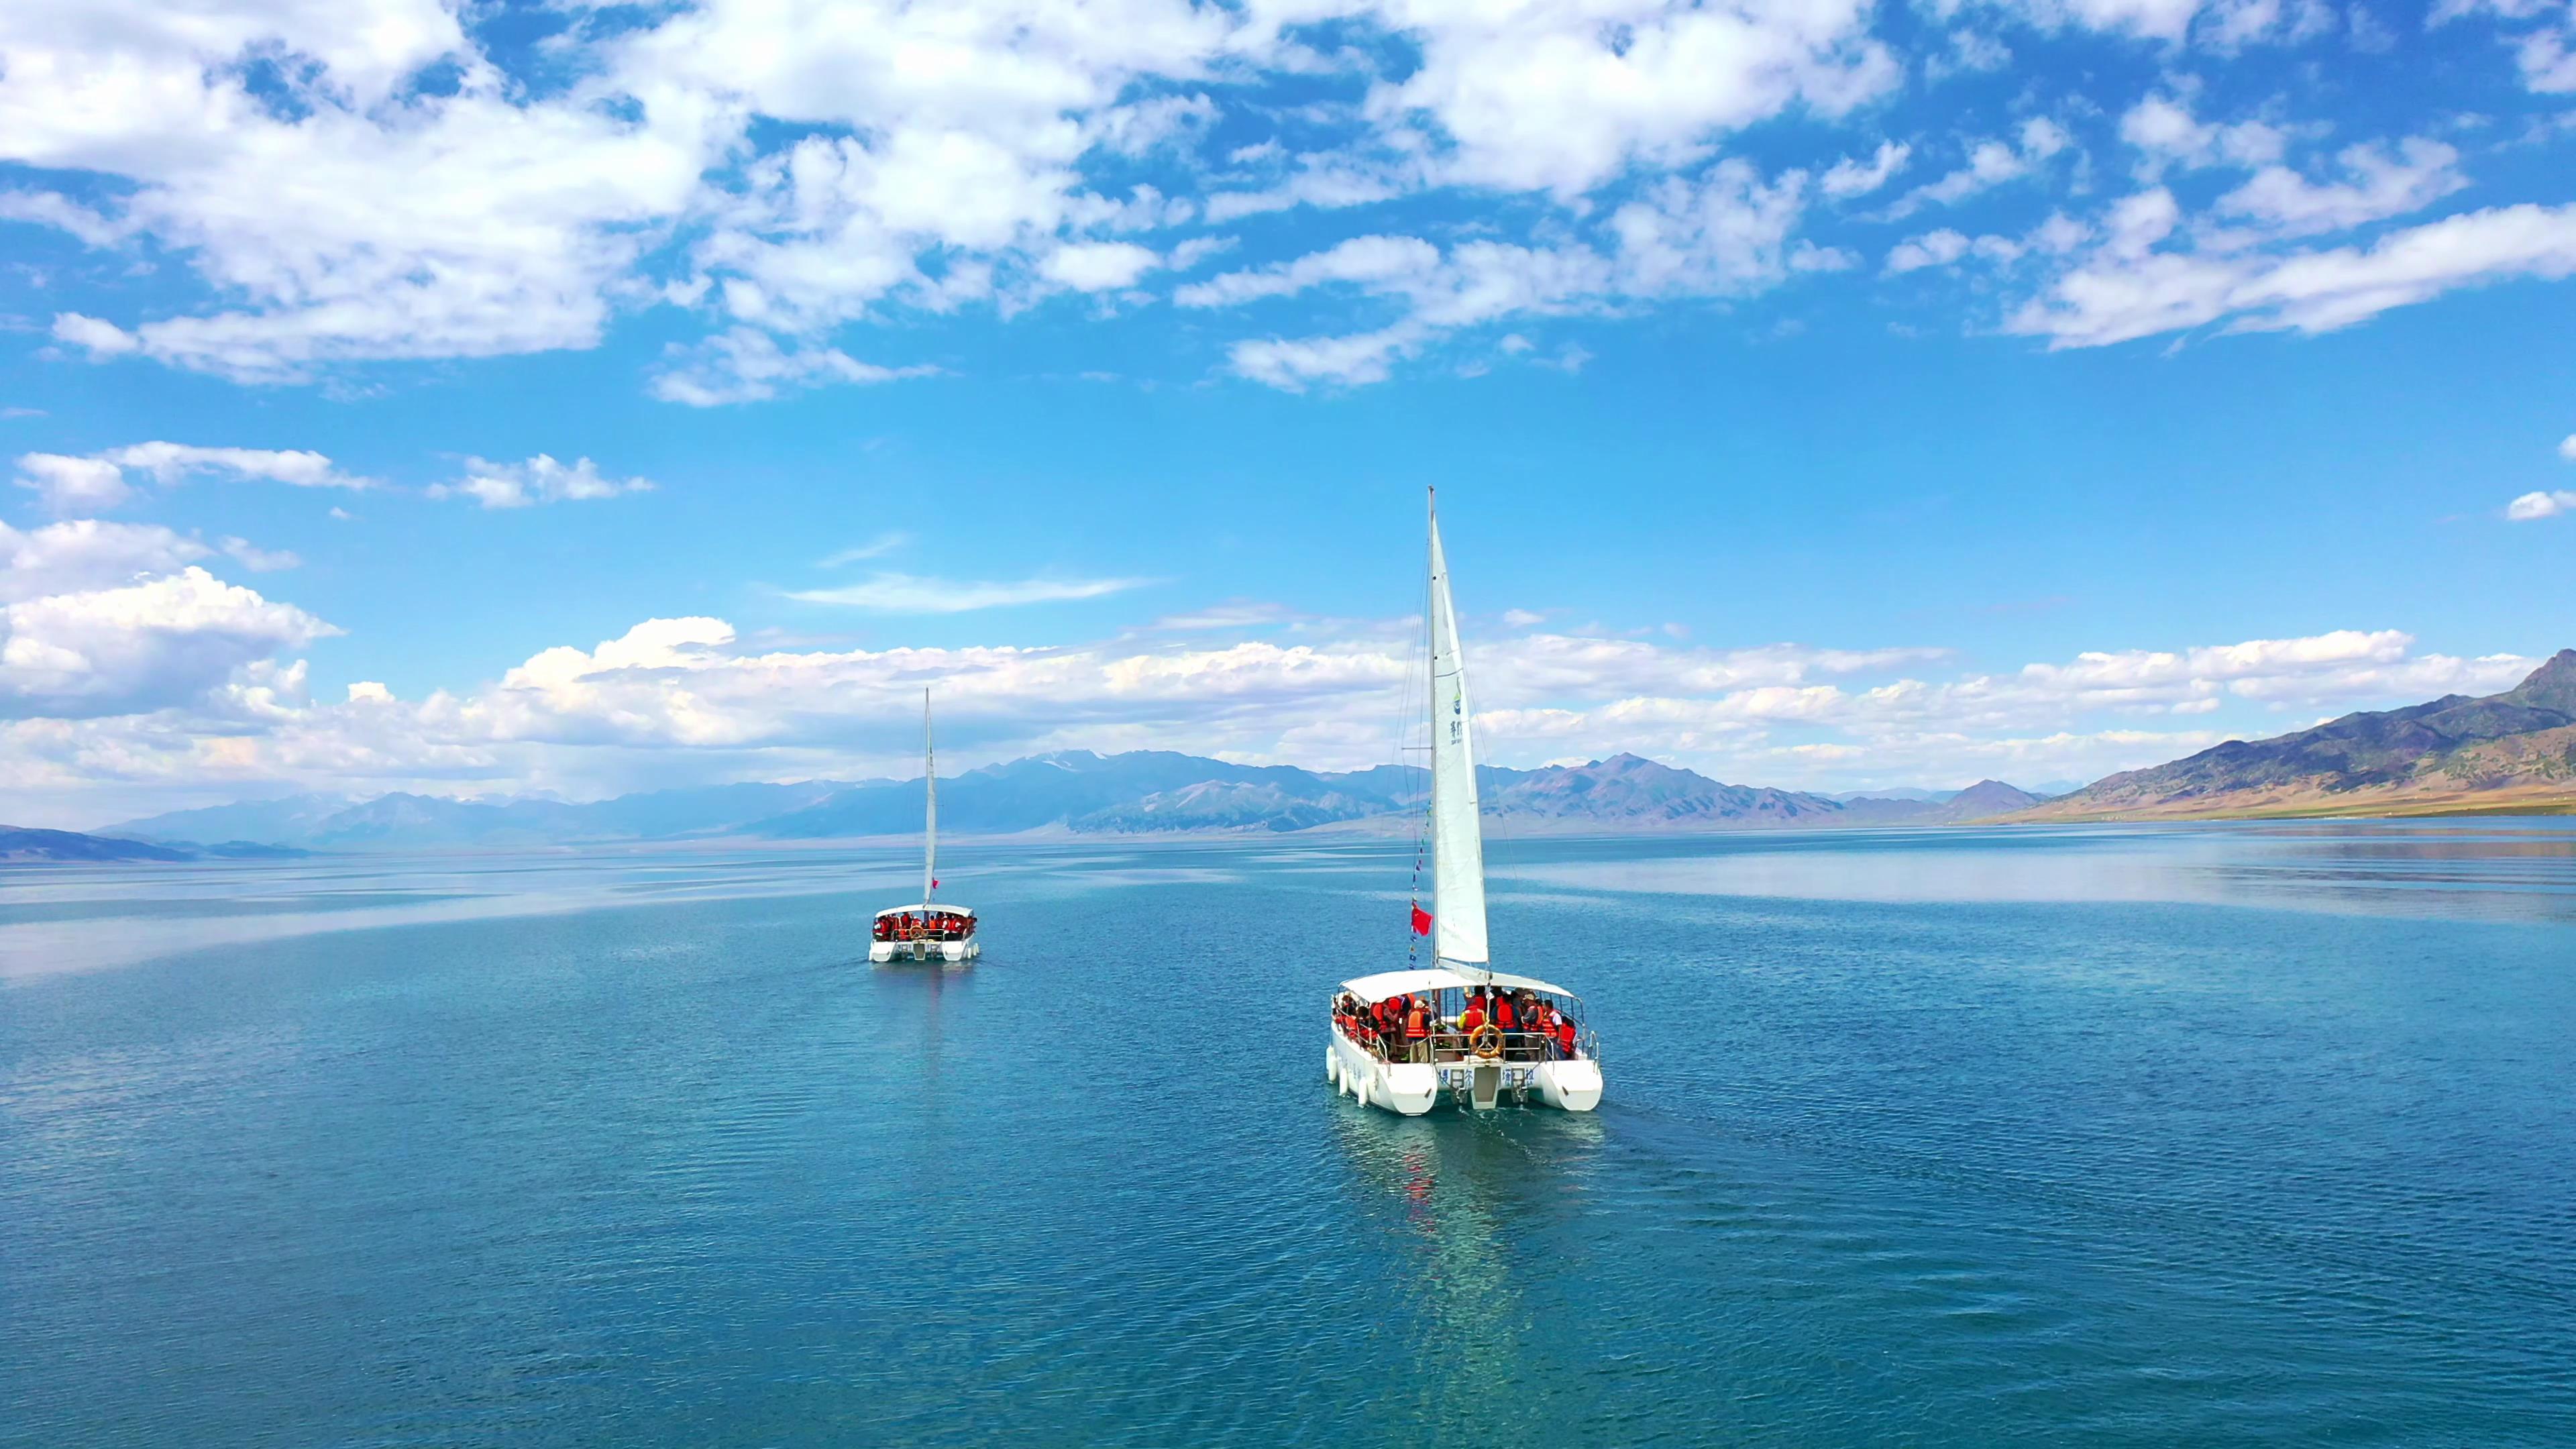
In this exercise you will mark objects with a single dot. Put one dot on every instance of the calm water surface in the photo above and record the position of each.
(2182, 1136)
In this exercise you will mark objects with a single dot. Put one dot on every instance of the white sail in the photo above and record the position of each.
(930, 821)
(1457, 838)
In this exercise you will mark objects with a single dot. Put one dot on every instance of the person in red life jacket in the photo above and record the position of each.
(1474, 1016)
(1417, 1029)
(1565, 1036)
(1507, 1016)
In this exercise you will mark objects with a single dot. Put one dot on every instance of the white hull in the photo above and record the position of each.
(1413, 1088)
(882, 952)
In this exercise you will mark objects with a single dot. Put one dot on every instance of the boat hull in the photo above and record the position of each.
(1404, 1088)
(1571, 1086)
(882, 952)
(1410, 1089)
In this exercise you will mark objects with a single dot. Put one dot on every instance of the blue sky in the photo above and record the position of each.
(579, 399)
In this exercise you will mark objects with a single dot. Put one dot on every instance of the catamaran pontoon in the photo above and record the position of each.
(1400, 1038)
(926, 931)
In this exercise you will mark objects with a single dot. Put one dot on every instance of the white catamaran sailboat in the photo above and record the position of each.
(1400, 1038)
(926, 931)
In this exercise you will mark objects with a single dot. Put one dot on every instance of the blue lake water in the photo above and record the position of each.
(2147, 1136)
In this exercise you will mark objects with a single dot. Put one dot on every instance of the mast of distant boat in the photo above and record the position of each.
(930, 813)
(1457, 835)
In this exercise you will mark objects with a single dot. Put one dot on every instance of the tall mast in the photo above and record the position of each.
(1457, 836)
(930, 792)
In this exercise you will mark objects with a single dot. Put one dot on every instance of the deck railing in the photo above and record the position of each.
(1444, 1047)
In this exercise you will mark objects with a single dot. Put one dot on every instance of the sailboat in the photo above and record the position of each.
(925, 930)
(1401, 1039)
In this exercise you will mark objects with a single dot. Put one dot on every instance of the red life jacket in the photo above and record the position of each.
(1473, 1017)
(1565, 1034)
(1504, 1016)
(1418, 1021)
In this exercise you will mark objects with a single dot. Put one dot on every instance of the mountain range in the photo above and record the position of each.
(2513, 752)
(2509, 753)
(1076, 791)
(18, 843)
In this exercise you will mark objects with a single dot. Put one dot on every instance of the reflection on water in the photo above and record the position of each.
(1480, 1200)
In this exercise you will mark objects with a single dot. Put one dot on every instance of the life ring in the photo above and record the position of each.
(1486, 1041)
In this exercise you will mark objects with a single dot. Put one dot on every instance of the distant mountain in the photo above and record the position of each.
(1626, 791)
(2508, 752)
(1983, 800)
(18, 844)
(1140, 792)
(1228, 805)
(428, 822)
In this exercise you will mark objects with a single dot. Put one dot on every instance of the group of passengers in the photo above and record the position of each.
(925, 926)
(1527, 1027)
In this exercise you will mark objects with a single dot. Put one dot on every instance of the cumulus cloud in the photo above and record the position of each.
(73, 485)
(1848, 178)
(795, 182)
(540, 479)
(2538, 505)
(87, 553)
(146, 645)
(1098, 266)
(177, 680)
(1731, 232)
(2167, 135)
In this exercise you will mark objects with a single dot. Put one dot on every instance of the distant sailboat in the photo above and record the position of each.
(926, 931)
(1400, 1037)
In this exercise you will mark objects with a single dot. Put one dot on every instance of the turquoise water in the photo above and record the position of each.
(2259, 1134)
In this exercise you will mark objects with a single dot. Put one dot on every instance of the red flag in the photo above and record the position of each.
(1421, 920)
(934, 884)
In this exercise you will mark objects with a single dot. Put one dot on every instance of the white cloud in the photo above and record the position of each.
(1098, 266)
(906, 594)
(146, 645)
(877, 547)
(73, 485)
(744, 365)
(1561, 99)
(784, 171)
(52, 209)
(170, 463)
(2541, 505)
(540, 479)
(2382, 185)
(85, 554)
(1932, 249)
(100, 339)
(2167, 134)
(2567, 447)
(2130, 287)
(261, 560)
(1990, 164)
(684, 699)
(1848, 178)
(100, 480)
